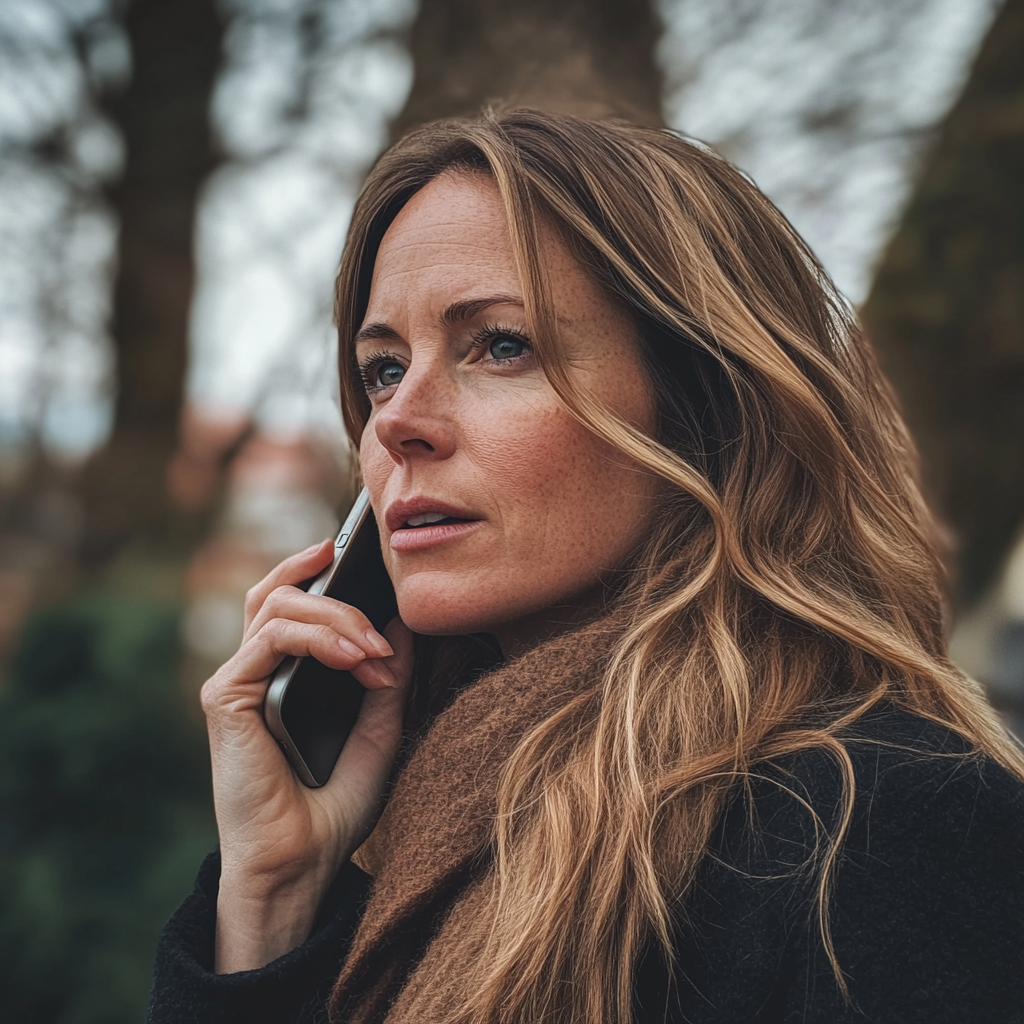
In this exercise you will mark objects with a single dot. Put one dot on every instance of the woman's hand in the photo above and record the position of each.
(281, 843)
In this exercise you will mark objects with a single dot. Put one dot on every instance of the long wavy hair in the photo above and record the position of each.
(792, 581)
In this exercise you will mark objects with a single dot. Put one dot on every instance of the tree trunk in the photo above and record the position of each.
(164, 116)
(947, 310)
(589, 57)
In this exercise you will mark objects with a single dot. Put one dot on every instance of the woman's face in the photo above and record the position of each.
(496, 506)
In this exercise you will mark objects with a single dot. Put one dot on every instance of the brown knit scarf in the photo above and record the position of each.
(435, 835)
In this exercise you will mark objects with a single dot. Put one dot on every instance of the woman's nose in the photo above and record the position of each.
(418, 419)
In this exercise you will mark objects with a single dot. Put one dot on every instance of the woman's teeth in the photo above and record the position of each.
(425, 518)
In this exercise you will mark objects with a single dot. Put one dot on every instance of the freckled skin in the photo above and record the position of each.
(557, 506)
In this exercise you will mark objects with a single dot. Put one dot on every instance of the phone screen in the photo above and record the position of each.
(310, 709)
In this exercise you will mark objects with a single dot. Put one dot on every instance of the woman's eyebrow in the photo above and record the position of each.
(376, 332)
(456, 313)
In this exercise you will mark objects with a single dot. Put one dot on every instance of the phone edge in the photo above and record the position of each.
(273, 699)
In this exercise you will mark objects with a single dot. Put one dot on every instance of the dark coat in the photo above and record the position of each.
(927, 912)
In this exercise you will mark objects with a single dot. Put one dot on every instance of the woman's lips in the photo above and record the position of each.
(398, 513)
(421, 537)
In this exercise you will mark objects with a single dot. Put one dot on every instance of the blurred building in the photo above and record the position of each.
(279, 493)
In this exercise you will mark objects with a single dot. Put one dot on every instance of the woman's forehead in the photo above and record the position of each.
(452, 237)
(457, 208)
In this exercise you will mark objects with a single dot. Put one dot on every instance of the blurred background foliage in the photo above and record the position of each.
(103, 786)
(176, 180)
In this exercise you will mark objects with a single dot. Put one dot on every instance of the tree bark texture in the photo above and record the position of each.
(164, 117)
(947, 310)
(589, 57)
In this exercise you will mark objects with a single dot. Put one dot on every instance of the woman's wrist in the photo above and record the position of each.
(257, 923)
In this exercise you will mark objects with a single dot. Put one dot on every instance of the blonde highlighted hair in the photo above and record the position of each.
(791, 584)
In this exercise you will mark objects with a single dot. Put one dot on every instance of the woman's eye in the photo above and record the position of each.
(388, 374)
(506, 347)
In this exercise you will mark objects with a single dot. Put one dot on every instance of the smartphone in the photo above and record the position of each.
(309, 708)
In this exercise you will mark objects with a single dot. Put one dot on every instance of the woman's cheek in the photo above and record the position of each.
(373, 467)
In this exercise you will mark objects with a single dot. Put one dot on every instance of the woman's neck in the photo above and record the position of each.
(520, 635)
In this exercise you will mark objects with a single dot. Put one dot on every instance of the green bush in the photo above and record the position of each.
(104, 810)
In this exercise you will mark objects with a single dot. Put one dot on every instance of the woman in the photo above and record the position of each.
(611, 412)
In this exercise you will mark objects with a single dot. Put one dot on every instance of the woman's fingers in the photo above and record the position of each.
(240, 684)
(287, 602)
(396, 669)
(292, 571)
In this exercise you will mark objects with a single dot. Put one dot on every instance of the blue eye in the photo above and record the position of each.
(381, 371)
(388, 374)
(506, 347)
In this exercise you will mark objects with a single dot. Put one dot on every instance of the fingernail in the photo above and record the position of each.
(378, 643)
(380, 673)
(312, 548)
(350, 649)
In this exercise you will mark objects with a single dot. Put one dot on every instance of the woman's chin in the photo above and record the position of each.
(450, 611)
(440, 621)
